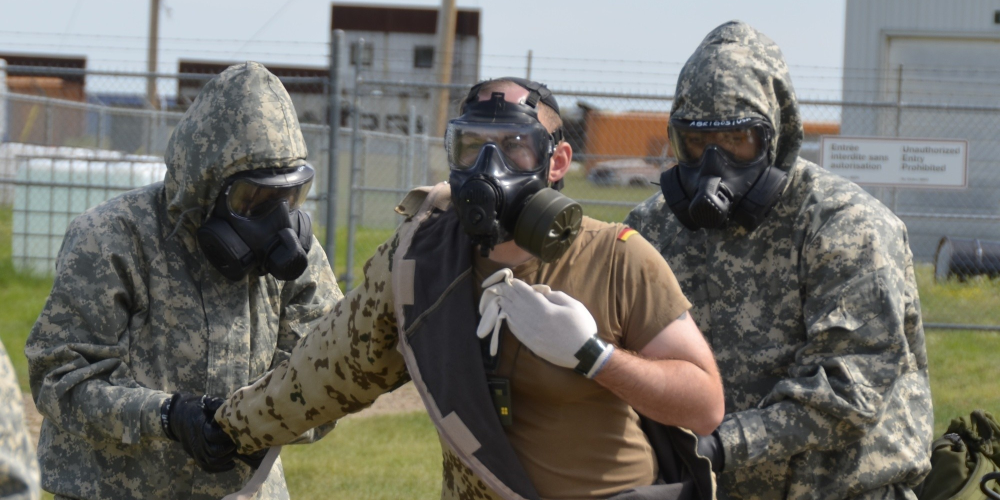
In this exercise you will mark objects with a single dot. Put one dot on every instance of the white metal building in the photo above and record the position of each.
(399, 46)
(930, 69)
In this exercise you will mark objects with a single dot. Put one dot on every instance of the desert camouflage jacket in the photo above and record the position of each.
(18, 466)
(813, 316)
(137, 313)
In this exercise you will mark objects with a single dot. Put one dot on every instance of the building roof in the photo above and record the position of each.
(400, 19)
(215, 67)
(46, 61)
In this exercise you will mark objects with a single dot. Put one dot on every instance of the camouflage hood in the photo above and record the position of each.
(738, 72)
(242, 120)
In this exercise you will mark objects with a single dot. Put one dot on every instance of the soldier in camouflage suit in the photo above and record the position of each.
(813, 315)
(137, 312)
(18, 466)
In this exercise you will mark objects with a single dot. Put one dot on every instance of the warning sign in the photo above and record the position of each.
(903, 162)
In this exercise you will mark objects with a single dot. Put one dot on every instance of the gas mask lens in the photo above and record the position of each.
(525, 147)
(743, 143)
(257, 195)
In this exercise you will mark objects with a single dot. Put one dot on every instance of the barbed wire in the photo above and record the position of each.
(407, 53)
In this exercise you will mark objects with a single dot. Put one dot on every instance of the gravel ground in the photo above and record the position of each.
(404, 399)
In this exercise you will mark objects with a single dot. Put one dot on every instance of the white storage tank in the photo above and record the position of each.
(51, 191)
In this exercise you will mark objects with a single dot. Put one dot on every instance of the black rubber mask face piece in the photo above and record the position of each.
(502, 194)
(275, 240)
(724, 174)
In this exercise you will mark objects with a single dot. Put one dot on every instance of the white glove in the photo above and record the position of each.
(555, 326)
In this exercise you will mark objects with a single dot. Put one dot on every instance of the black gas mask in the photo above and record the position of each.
(724, 173)
(257, 224)
(499, 156)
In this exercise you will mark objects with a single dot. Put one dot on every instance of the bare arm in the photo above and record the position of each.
(673, 379)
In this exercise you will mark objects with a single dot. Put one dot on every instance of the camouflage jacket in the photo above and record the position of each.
(137, 312)
(813, 316)
(18, 466)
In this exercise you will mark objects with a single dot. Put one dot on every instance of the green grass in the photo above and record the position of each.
(963, 369)
(578, 188)
(963, 364)
(975, 302)
(398, 456)
(22, 297)
(383, 457)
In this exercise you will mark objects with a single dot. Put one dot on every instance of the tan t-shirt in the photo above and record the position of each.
(575, 438)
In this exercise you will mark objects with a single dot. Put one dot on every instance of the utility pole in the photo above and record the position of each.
(154, 35)
(527, 75)
(447, 17)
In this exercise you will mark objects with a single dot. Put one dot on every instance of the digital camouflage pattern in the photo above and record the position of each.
(137, 313)
(18, 466)
(814, 316)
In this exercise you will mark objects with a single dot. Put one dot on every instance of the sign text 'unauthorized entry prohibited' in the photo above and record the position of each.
(903, 162)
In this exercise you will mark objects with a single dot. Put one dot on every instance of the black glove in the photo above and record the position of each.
(190, 420)
(710, 447)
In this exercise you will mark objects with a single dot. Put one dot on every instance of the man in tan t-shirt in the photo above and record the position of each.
(573, 435)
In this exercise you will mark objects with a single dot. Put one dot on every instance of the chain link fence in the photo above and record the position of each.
(53, 143)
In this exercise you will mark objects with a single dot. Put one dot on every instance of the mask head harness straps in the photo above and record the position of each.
(537, 92)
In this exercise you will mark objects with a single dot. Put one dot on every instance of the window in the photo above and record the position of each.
(423, 56)
(401, 124)
(368, 121)
(366, 58)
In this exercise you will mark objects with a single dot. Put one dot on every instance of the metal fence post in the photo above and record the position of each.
(102, 120)
(3, 100)
(149, 134)
(899, 118)
(352, 220)
(48, 123)
(411, 146)
(425, 161)
(362, 180)
(334, 86)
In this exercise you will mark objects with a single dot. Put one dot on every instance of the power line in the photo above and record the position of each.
(273, 16)
(142, 38)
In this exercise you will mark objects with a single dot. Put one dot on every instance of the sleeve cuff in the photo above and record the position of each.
(244, 442)
(744, 439)
(142, 417)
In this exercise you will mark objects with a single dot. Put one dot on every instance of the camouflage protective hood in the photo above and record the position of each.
(242, 120)
(709, 88)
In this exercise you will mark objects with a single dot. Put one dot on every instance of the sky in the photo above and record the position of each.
(621, 46)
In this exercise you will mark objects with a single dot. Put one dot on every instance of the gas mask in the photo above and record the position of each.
(724, 173)
(256, 223)
(499, 156)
